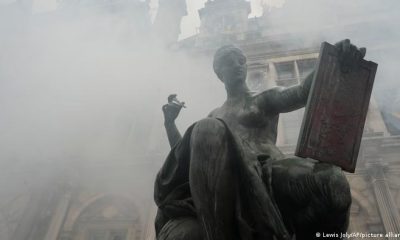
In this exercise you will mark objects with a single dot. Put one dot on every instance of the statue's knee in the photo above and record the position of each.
(208, 130)
(339, 190)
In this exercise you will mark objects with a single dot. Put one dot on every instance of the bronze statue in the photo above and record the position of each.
(226, 179)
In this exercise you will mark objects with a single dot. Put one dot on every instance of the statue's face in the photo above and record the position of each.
(232, 68)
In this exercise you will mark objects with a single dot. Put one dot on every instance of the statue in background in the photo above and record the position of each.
(226, 179)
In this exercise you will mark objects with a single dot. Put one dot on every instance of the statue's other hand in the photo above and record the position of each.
(171, 112)
(349, 55)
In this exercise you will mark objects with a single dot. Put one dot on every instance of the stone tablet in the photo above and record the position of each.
(336, 110)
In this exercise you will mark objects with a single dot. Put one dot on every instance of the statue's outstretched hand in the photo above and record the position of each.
(172, 109)
(349, 55)
(171, 112)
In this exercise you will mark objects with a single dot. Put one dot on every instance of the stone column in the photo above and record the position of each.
(297, 72)
(386, 205)
(58, 217)
(272, 75)
(374, 123)
(149, 229)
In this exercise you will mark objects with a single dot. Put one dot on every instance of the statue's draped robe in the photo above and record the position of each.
(302, 187)
(173, 197)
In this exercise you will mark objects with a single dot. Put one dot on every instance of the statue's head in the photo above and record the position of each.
(230, 65)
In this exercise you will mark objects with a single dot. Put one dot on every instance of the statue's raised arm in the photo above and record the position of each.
(171, 111)
(281, 99)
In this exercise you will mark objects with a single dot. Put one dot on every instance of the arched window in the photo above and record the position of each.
(108, 218)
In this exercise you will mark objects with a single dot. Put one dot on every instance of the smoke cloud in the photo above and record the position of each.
(80, 90)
